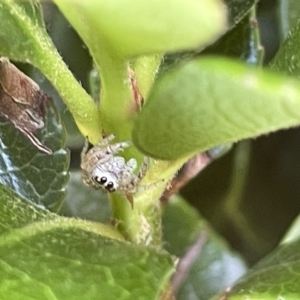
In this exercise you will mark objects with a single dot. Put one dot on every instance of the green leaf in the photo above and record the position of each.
(287, 58)
(33, 175)
(144, 27)
(116, 30)
(230, 44)
(43, 256)
(214, 268)
(235, 42)
(238, 9)
(293, 233)
(23, 37)
(275, 277)
(212, 101)
(242, 41)
(85, 202)
(289, 15)
(186, 230)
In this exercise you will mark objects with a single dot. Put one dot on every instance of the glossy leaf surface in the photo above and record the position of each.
(212, 101)
(275, 277)
(43, 256)
(33, 175)
(238, 9)
(287, 58)
(289, 15)
(23, 37)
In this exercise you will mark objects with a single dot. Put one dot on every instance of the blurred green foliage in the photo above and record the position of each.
(249, 197)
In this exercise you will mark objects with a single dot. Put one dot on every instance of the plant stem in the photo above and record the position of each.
(117, 107)
(80, 104)
(145, 68)
(142, 224)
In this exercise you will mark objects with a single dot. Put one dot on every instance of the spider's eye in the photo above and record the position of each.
(100, 180)
(103, 180)
(110, 187)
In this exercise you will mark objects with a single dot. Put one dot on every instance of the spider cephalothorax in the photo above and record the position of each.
(102, 168)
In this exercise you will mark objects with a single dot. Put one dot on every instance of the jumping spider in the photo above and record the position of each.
(102, 168)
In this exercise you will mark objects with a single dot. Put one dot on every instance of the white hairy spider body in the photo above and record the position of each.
(102, 168)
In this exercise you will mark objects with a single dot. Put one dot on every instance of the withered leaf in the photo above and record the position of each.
(22, 102)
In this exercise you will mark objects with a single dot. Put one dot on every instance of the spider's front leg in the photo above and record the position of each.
(132, 164)
(133, 187)
(105, 149)
(129, 197)
(134, 180)
(84, 149)
(102, 152)
(115, 148)
(144, 168)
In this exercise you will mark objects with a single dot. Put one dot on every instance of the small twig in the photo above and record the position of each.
(138, 98)
(187, 261)
(188, 172)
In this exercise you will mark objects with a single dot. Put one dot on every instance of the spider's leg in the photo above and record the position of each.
(105, 141)
(104, 148)
(142, 173)
(142, 188)
(101, 146)
(85, 149)
(132, 164)
(97, 150)
(129, 197)
(100, 155)
(134, 179)
(144, 167)
(117, 147)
